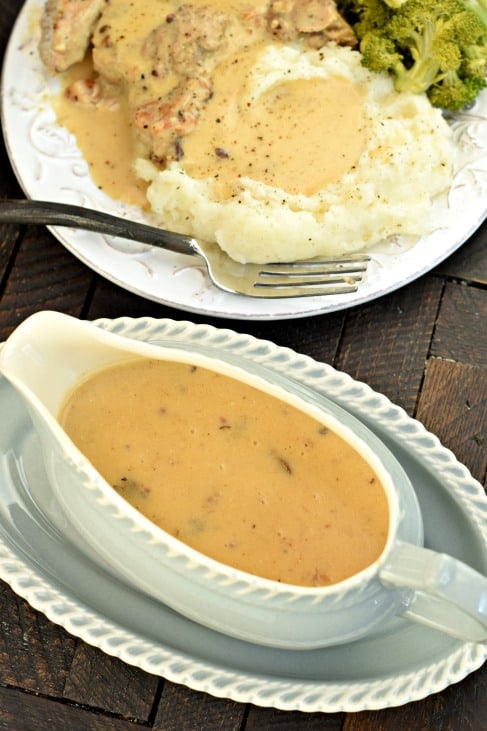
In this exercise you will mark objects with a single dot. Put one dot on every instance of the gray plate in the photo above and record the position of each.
(407, 663)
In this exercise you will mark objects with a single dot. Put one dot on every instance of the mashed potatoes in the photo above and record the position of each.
(403, 161)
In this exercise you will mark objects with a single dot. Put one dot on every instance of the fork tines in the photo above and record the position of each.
(315, 276)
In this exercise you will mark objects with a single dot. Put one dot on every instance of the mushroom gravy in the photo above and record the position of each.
(105, 136)
(230, 470)
(251, 124)
(300, 136)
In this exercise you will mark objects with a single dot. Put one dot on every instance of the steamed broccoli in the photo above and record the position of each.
(479, 7)
(438, 48)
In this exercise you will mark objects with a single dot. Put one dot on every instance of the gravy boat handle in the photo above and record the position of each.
(445, 593)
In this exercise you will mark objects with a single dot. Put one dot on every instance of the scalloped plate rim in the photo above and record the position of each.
(174, 280)
(285, 694)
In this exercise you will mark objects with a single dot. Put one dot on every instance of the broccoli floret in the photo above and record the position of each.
(370, 16)
(425, 46)
(379, 54)
(479, 7)
(474, 62)
(455, 93)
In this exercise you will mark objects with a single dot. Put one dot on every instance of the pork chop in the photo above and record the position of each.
(66, 29)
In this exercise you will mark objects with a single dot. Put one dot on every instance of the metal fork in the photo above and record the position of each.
(320, 276)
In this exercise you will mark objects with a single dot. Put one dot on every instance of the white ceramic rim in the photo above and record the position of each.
(116, 508)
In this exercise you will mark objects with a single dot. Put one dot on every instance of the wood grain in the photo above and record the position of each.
(453, 405)
(446, 711)
(22, 711)
(34, 653)
(386, 342)
(461, 325)
(270, 719)
(469, 263)
(43, 275)
(181, 709)
(98, 680)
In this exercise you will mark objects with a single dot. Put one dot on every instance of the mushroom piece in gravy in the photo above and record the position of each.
(231, 470)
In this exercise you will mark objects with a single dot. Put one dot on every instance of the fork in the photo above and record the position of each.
(311, 277)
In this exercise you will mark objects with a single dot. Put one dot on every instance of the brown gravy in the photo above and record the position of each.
(300, 136)
(232, 471)
(106, 139)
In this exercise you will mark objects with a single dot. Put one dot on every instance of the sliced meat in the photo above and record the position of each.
(91, 92)
(187, 41)
(166, 74)
(66, 28)
(317, 21)
(161, 124)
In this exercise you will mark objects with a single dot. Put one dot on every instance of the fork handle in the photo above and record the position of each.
(64, 214)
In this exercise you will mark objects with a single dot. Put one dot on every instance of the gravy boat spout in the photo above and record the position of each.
(50, 353)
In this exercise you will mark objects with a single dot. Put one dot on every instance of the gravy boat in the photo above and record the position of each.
(50, 352)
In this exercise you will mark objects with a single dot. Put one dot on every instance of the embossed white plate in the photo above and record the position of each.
(405, 664)
(49, 166)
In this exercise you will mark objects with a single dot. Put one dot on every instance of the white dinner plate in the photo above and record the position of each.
(406, 663)
(49, 166)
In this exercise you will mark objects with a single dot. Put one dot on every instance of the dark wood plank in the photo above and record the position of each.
(386, 342)
(469, 263)
(181, 709)
(43, 275)
(9, 187)
(319, 339)
(458, 708)
(461, 328)
(8, 12)
(109, 300)
(9, 241)
(453, 405)
(21, 711)
(34, 653)
(99, 680)
(270, 719)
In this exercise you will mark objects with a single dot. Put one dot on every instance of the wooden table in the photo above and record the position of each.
(424, 346)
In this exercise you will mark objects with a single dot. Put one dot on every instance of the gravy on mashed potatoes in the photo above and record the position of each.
(254, 124)
(231, 471)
